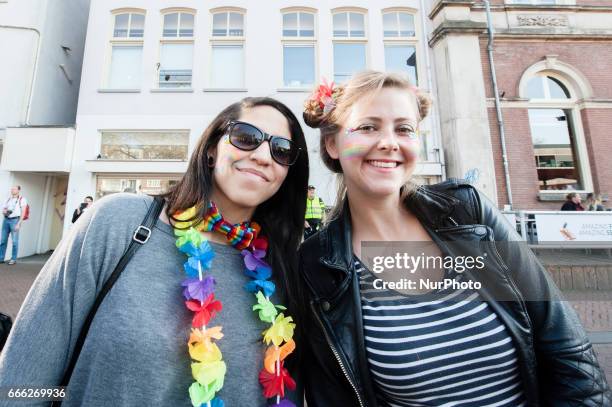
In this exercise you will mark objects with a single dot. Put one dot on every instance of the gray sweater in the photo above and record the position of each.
(136, 351)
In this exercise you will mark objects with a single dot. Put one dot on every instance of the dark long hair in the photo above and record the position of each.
(281, 217)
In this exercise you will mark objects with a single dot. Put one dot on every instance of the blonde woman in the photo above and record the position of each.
(500, 344)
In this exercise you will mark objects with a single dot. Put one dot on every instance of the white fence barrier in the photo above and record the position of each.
(565, 229)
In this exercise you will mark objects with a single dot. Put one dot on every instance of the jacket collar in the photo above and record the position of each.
(431, 207)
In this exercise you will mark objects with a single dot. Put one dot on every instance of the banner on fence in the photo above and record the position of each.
(575, 227)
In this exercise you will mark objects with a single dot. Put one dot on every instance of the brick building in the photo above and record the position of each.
(553, 65)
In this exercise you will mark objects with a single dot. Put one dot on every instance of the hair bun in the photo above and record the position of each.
(321, 103)
(313, 114)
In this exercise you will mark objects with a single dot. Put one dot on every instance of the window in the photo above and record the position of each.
(150, 184)
(398, 24)
(178, 25)
(144, 145)
(298, 49)
(298, 65)
(400, 44)
(298, 24)
(349, 44)
(176, 51)
(552, 135)
(227, 69)
(401, 58)
(348, 59)
(124, 71)
(349, 25)
(125, 67)
(554, 149)
(228, 24)
(546, 87)
(175, 65)
(129, 25)
(227, 50)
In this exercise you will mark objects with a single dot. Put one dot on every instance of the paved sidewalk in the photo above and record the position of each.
(15, 281)
(593, 307)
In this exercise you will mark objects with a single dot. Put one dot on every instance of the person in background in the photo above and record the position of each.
(315, 212)
(12, 210)
(86, 204)
(573, 202)
(594, 202)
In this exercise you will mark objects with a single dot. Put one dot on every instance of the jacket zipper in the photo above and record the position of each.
(512, 285)
(337, 356)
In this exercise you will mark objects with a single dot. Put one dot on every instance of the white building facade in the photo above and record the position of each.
(157, 72)
(41, 49)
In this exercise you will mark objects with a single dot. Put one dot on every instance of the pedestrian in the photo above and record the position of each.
(509, 340)
(573, 202)
(85, 205)
(15, 211)
(232, 226)
(594, 202)
(315, 212)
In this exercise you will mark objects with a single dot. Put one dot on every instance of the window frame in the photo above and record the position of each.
(122, 42)
(348, 39)
(175, 40)
(299, 41)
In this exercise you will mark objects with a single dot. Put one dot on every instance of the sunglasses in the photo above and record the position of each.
(247, 137)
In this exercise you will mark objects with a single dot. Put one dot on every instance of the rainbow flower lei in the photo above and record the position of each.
(207, 367)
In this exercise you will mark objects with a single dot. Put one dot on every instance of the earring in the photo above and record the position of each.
(210, 161)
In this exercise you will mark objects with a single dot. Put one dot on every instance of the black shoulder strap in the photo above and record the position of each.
(141, 236)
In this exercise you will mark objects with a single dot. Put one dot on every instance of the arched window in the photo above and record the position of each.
(129, 25)
(398, 24)
(298, 48)
(400, 43)
(178, 25)
(350, 40)
(228, 24)
(553, 134)
(227, 49)
(546, 87)
(176, 50)
(125, 68)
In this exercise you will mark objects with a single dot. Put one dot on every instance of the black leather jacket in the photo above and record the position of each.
(557, 363)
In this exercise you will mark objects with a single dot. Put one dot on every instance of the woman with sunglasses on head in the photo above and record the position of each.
(507, 341)
(182, 324)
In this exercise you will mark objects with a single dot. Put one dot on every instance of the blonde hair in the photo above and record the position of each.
(329, 121)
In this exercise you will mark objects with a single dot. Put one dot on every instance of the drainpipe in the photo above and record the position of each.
(500, 120)
(434, 111)
(35, 67)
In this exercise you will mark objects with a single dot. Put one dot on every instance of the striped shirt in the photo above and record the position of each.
(443, 348)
